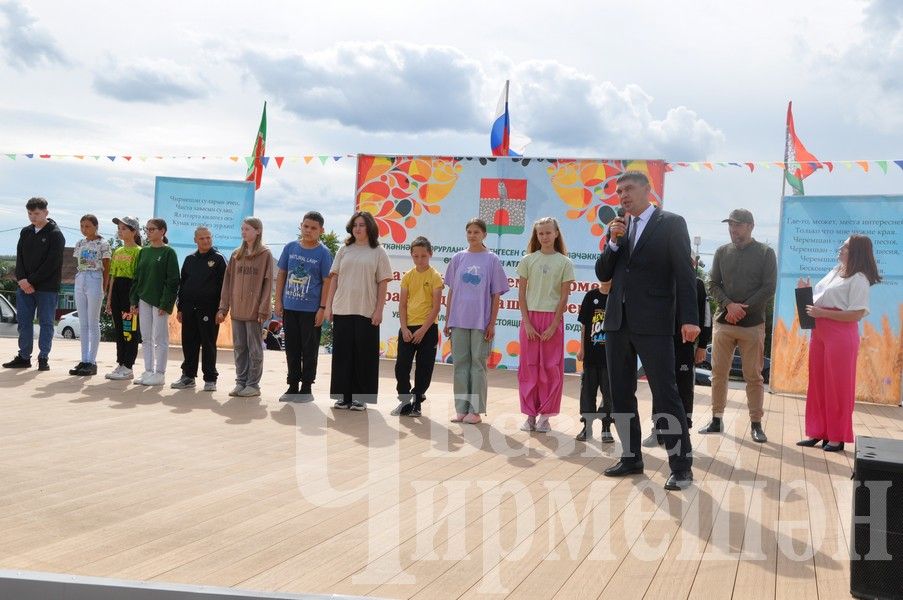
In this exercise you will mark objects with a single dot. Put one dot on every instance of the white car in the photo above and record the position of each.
(8, 325)
(68, 327)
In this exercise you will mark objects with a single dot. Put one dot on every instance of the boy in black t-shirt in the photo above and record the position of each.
(595, 370)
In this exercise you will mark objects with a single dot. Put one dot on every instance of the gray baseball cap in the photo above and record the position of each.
(130, 222)
(740, 215)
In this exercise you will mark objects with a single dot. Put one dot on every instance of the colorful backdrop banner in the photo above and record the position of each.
(219, 204)
(436, 196)
(812, 230)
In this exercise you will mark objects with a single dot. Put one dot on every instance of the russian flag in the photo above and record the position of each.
(499, 136)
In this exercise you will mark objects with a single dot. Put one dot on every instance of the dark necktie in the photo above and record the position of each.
(632, 239)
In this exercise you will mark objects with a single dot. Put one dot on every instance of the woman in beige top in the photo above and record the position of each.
(360, 274)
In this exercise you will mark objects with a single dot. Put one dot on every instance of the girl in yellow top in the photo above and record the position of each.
(545, 277)
(122, 271)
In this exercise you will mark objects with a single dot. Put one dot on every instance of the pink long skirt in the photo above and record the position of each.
(832, 380)
(541, 372)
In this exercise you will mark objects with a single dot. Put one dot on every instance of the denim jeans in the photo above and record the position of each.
(26, 306)
(88, 297)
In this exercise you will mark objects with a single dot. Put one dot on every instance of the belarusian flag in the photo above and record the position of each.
(255, 162)
(799, 163)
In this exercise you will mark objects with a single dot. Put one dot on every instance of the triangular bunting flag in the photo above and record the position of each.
(883, 165)
(129, 158)
(709, 166)
(11, 156)
(323, 159)
(765, 164)
(899, 163)
(112, 158)
(337, 158)
(752, 167)
(279, 160)
(265, 160)
(96, 157)
(864, 164)
(695, 166)
(29, 155)
(79, 156)
(142, 158)
(307, 159)
(44, 155)
(848, 164)
(830, 166)
(233, 158)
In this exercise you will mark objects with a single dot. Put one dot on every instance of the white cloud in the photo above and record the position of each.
(561, 107)
(872, 67)
(156, 81)
(24, 43)
(375, 87)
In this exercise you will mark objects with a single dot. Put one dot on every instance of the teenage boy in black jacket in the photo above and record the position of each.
(39, 269)
(199, 293)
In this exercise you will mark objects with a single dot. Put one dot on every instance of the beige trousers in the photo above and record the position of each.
(751, 341)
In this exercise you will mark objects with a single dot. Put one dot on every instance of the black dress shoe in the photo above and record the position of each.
(76, 370)
(713, 427)
(679, 480)
(581, 437)
(810, 443)
(832, 447)
(17, 363)
(621, 468)
(758, 435)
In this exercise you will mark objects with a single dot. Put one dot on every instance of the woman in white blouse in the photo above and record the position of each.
(841, 299)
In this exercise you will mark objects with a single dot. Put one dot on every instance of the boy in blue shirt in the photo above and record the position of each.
(301, 286)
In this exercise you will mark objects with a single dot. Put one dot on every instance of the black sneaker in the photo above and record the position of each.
(87, 370)
(341, 403)
(43, 365)
(18, 363)
(403, 409)
(415, 410)
(76, 370)
(305, 389)
(357, 405)
(290, 394)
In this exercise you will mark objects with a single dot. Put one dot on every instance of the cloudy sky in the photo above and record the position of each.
(679, 80)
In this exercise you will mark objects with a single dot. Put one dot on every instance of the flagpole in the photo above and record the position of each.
(786, 156)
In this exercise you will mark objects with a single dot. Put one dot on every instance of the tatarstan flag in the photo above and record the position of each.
(255, 161)
(799, 163)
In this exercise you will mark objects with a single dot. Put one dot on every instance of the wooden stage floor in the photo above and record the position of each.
(109, 479)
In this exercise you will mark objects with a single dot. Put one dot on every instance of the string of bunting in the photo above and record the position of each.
(323, 159)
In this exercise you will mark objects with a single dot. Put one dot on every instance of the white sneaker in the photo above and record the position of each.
(249, 392)
(140, 380)
(120, 373)
(154, 379)
(529, 424)
(209, 386)
(236, 391)
(114, 374)
(542, 424)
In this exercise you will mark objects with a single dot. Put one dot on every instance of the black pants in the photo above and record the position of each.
(685, 373)
(595, 379)
(425, 353)
(355, 359)
(657, 355)
(199, 333)
(302, 346)
(126, 341)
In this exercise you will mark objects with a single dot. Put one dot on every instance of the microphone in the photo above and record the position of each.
(621, 212)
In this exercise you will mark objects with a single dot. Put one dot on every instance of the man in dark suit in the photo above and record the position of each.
(647, 260)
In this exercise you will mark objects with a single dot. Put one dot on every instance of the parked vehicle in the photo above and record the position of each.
(68, 327)
(736, 364)
(8, 324)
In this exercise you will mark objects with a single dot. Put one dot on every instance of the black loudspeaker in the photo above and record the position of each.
(876, 555)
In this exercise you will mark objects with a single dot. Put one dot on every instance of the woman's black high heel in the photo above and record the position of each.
(810, 443)
(838, 447)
